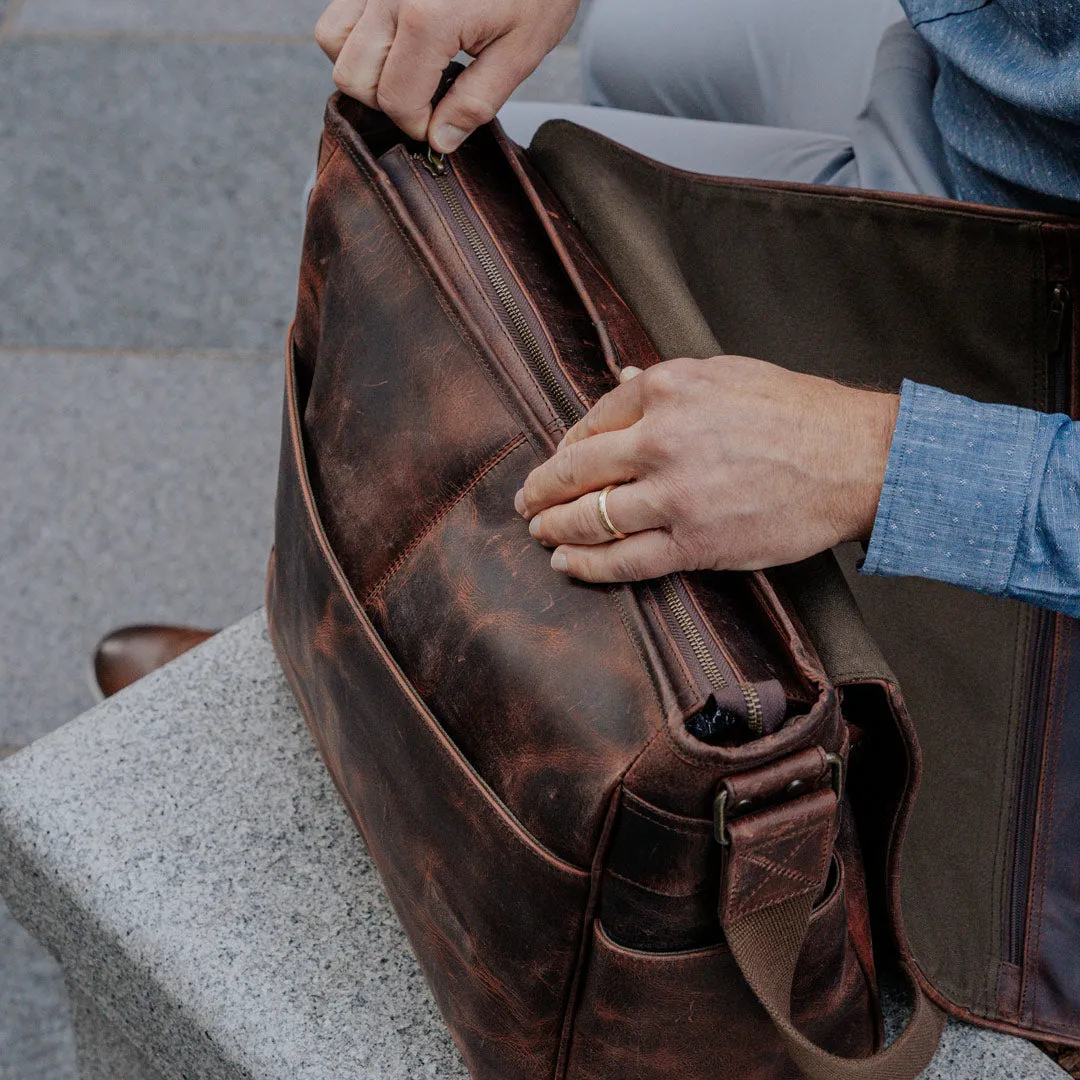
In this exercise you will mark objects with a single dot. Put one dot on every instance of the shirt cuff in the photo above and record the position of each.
(958, 480)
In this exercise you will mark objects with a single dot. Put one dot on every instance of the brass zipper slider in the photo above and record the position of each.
(434, 163)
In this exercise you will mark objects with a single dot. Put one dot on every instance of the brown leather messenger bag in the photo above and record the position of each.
(657, 830)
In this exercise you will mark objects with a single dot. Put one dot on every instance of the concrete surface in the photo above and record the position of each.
(195, 869)
(247, 18)
(150, 194)
(152, 159)
(102, 1051)
(143, 490)
(182, 848)
(36, 1041)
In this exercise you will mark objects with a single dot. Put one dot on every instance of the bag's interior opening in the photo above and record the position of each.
(869, 292)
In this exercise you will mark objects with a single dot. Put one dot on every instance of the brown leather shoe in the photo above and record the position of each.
(127, 654)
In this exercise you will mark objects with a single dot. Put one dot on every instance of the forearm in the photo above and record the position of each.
(982, 496)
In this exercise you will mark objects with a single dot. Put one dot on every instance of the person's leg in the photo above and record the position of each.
(894, 144)
(706, 146)
(782, 63)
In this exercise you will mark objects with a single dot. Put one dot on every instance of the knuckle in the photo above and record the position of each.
(529, 491)
(471, 111)
(586, 517)
(552, 526)
(387, 100)
(658, 383)
(622, 568)
(328, 33)
(579, 430)
(653, 445)
(565, 465)
(418, 15)
(342, 80)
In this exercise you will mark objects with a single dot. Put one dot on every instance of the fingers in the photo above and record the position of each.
(360, 61)
(619, 408)
(336, 24)
(422, 48)
(481, 90)
(582, 467)
(629, 509)
(637, 558)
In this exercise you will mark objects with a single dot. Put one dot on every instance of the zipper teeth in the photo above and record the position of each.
(692, 634)
(570, 411)
(700, 649)
(755, 714)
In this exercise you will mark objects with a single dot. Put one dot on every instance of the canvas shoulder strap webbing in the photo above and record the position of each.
(776, 863)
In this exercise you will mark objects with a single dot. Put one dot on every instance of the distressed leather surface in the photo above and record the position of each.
(654, 1016)
(512, 744)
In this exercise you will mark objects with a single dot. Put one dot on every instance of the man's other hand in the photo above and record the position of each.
(390, 54)
(722, 464)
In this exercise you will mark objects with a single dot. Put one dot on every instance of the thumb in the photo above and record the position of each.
(479, 92)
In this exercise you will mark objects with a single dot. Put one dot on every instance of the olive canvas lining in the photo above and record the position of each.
(868, 292)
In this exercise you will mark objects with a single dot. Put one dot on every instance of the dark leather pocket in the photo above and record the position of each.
(655, 1015)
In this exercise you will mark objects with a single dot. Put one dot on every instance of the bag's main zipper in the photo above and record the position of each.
(679, 611)
(570, 409)
(1059, 357)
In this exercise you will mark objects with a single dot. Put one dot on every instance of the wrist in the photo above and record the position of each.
(867, 459)
(881, 429)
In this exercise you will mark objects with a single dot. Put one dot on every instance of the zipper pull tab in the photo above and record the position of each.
(1055, 318)
(434, 163)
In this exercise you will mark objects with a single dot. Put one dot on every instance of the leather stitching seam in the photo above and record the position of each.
(440, 514)
(568, 1022)
(706, 888)
(555, 422)
(808, 884)
(467, 337)
(696, 827)
(779, 838)
(329, 157)
(616, 594)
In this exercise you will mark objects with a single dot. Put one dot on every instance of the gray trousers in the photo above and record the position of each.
(829, 91)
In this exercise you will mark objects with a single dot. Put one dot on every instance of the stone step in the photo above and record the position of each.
(182, 850)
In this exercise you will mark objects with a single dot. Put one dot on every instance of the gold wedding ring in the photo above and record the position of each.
(601, 510)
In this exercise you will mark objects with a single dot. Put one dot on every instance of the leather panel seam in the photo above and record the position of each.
(510, 822)
(440, 514)
(470, 336)
(634, 804)
(496, 318)
(660, 892)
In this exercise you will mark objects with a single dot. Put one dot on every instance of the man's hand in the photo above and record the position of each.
(390, 54)
(725, 464)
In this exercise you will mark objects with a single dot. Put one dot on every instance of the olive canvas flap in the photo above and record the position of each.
(870, 289)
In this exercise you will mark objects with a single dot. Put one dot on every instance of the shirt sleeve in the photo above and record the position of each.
(982, 496)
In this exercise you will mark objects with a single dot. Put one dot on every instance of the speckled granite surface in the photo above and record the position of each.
(183, 851)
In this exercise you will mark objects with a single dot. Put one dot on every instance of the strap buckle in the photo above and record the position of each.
(722, 813)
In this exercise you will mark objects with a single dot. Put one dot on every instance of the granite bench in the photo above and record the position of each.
(182, 852)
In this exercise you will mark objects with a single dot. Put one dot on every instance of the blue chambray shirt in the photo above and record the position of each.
(978, 495)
